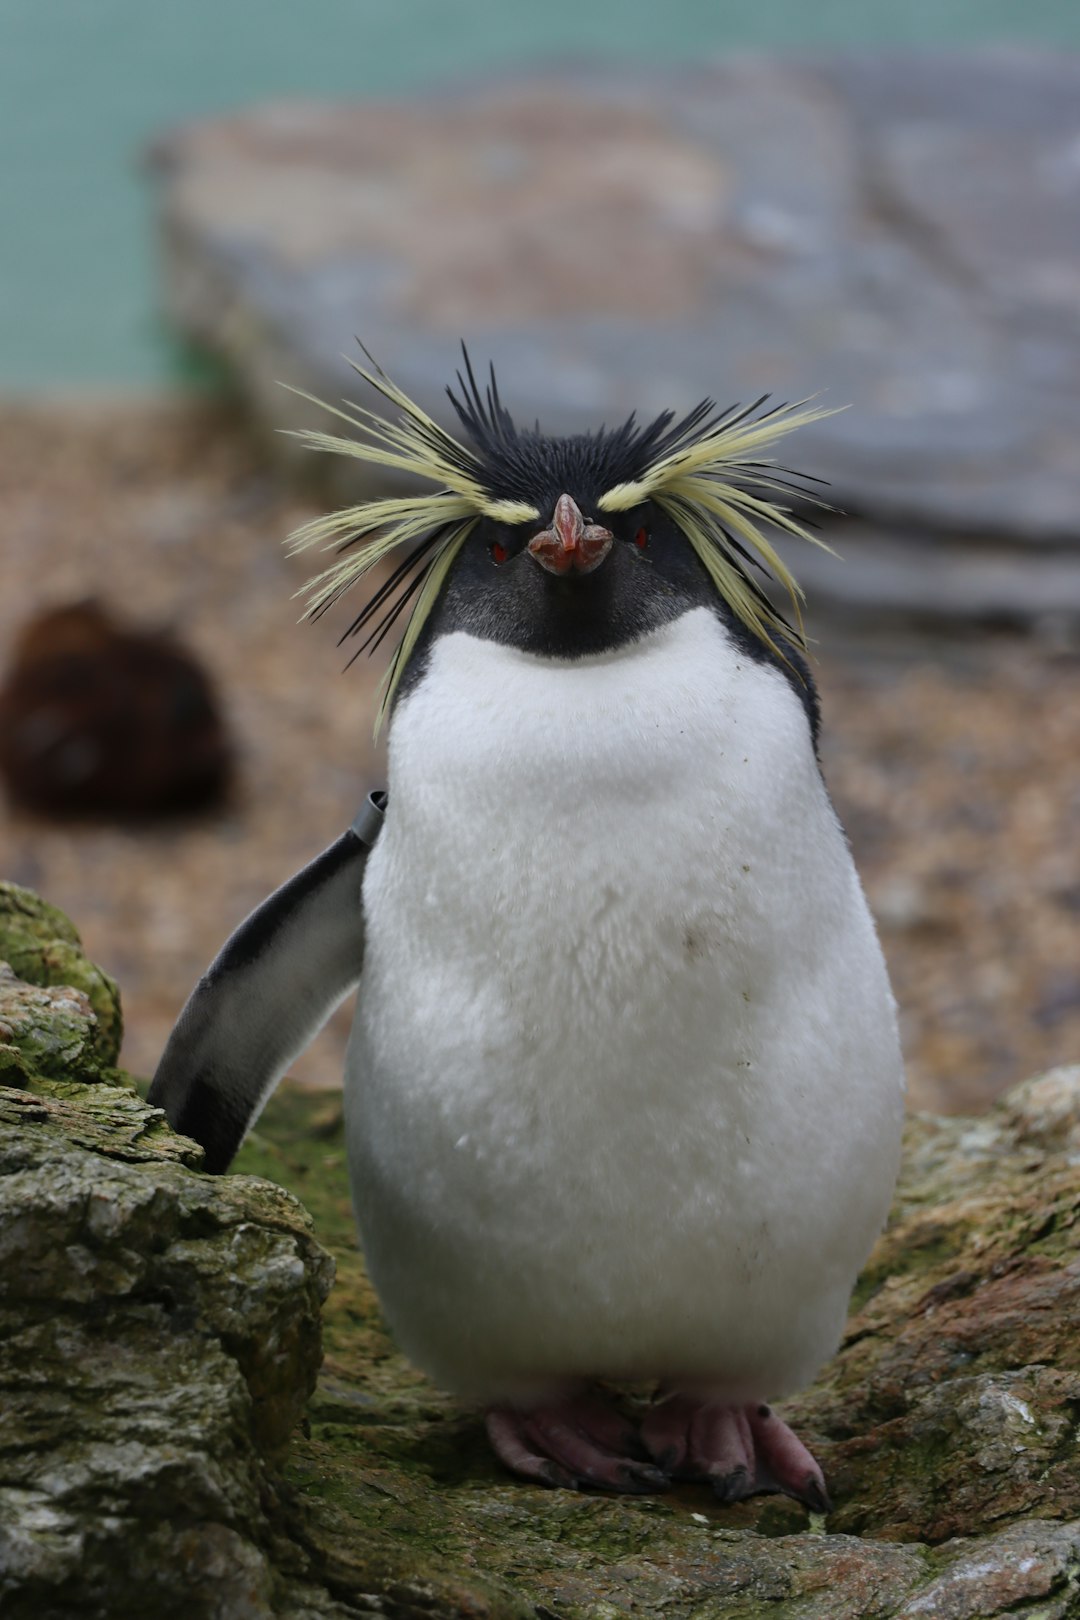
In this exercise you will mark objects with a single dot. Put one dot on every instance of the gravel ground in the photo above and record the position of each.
(955, 765)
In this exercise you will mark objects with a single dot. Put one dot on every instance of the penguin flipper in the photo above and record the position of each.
(265, 996)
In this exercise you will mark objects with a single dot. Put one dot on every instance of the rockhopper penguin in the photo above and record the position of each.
(624, 1091)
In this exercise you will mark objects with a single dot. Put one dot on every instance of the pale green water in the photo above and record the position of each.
(84, 84)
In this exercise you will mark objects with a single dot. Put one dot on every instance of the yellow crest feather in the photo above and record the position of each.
(706, 477)
(415, 444)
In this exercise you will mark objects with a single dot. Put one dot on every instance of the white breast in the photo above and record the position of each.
(624, 1090)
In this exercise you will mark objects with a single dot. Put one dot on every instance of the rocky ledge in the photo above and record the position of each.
(898, 231)
(160, 1343)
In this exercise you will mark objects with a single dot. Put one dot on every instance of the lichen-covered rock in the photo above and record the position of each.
(159, 1329)
(231, 1259)
(42, 948)
(952, 1404)
(159, 1337)
(47, 1033)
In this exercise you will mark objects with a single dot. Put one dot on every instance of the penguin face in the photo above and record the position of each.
(566, 586)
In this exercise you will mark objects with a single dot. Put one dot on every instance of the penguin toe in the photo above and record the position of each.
(783, 1462)
(509, 1443)
(640, 1479)
(739, 1450)
(578, 1443)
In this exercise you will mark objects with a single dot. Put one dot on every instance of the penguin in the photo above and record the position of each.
(624, 1091)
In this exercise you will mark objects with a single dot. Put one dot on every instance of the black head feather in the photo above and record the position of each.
(527, 465)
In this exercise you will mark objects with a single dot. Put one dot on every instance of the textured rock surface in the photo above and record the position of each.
(159, 1331)
(901, 231)
(41, 947)
(159, 1338)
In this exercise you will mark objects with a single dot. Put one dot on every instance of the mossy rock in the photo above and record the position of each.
(47, 1034)
(43, 948)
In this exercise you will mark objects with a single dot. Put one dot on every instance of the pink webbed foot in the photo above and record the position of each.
(578, 1442)
(740, 1450)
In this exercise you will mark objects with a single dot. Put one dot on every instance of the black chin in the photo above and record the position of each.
(521, 604)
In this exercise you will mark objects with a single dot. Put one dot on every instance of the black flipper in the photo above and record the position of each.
(266, 995)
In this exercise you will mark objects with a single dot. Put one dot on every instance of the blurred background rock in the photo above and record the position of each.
(100, 720)
(624, 205)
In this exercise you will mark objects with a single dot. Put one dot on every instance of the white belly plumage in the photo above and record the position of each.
(624, 1091)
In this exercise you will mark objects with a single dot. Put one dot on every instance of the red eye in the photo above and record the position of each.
(499, 552)
(641, 539)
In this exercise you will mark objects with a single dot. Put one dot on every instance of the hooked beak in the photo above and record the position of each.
(571, 545)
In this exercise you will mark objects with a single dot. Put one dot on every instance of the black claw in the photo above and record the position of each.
(732, 1487)
(815, 1496)
(641, 1480)
(559, 1478)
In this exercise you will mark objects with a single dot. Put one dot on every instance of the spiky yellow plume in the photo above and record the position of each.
(704, 481)
(415, 445)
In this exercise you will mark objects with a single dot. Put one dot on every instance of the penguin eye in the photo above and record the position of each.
(641, 539)
(499, 552)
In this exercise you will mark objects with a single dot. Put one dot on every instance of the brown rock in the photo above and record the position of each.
(100, 720)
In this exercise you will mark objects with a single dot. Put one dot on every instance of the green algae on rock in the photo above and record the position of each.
(952, 1403)
(47, 1033)
(159, 1336)
(159, 1333)
(42, 948)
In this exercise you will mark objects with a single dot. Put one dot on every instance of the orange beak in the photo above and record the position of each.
(571, 545)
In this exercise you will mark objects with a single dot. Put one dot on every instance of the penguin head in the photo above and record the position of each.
(560, 546)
